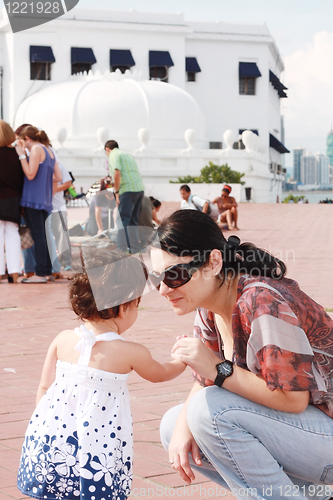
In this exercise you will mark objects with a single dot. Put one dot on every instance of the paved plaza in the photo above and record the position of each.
(32, 315)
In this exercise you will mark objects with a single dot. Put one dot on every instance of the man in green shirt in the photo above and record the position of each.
(129, 190)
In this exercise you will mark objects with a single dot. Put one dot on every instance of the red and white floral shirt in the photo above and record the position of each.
(279, 333)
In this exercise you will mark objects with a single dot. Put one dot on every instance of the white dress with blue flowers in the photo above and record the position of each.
(79, 442)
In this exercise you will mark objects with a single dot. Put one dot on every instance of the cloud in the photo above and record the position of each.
(309, 78)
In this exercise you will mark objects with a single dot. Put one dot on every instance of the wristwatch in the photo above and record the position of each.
(22, 157)
(224, 370)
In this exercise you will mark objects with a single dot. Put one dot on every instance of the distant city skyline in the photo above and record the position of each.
(304, 36)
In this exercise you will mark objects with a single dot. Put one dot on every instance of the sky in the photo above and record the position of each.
(303, 32)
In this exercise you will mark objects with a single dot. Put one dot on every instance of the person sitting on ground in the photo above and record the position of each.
(101, 208)
(156, 204)
(195, 202)
(227, 207)
(80, 437)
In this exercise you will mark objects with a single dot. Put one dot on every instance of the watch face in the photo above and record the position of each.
(225, 369)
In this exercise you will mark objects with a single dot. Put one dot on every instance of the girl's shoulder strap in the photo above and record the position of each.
(88, 340)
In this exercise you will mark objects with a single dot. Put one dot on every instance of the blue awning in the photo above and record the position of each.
(277, 145)
(277, 84)
(160, 58)
(247, 69)
(121, 58)
(82, 55)
(192, 65)
(40, 53)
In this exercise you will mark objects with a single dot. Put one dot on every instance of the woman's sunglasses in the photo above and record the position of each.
(176, 276)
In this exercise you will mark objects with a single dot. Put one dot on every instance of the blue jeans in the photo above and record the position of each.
(29, 262)
(36, 220)
(257, 452)
(128, 212)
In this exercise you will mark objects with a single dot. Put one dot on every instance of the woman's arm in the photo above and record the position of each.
(36, 157)
(242, 382)
(182, 443)
(49, 371)
(148, 368)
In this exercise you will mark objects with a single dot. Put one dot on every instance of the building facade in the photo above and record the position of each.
(231, 74)
(297, 155)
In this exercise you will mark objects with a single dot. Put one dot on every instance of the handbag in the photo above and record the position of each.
(26, 237)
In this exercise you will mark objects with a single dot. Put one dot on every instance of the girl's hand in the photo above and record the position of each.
(182, 443)
(194, 353)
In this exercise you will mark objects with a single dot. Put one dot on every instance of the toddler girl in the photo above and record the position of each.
(79, 440)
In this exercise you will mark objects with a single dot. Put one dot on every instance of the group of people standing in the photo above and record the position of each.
(32, 182)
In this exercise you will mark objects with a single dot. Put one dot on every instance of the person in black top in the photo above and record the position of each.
(11, 185)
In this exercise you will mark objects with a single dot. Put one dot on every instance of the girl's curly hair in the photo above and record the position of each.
(108, 279)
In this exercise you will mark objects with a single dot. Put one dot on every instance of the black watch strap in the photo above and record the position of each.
(224, 370)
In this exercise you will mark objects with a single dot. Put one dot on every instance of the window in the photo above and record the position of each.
(121, 68)
(159, 63)
(192, 68)
(40, 71)
(247, 85)
(80, 68)
(121, 59)
(215, 145)
(191, 76)
(158, 73)
(41, 58)
(248, 72)
(82, 59)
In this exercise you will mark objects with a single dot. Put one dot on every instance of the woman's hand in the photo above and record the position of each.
(19, 150)
(182, 443)
(194, 353)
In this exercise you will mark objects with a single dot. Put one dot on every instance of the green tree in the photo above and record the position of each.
(213, 174)
(293, 198)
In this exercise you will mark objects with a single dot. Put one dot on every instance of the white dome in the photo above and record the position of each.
(118, 103)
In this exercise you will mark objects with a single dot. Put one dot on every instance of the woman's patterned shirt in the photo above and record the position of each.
(279, 333)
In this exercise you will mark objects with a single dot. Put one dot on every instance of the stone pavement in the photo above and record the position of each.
(32, 315)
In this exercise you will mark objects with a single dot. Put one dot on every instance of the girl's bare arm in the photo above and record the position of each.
(147, 367)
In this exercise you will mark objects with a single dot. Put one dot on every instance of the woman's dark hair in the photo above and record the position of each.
(155, 203)
(21, 127)
(108, 278)
(226, 188)
(111, 144)
(193, 233)
(185, 187)
(35, 135)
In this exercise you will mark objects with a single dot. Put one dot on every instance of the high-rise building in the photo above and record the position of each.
(329, 152)
(329, 144)
(298, 153)
(322, 168)
(308, 169)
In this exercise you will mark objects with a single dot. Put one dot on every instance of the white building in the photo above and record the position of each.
(221, 77)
